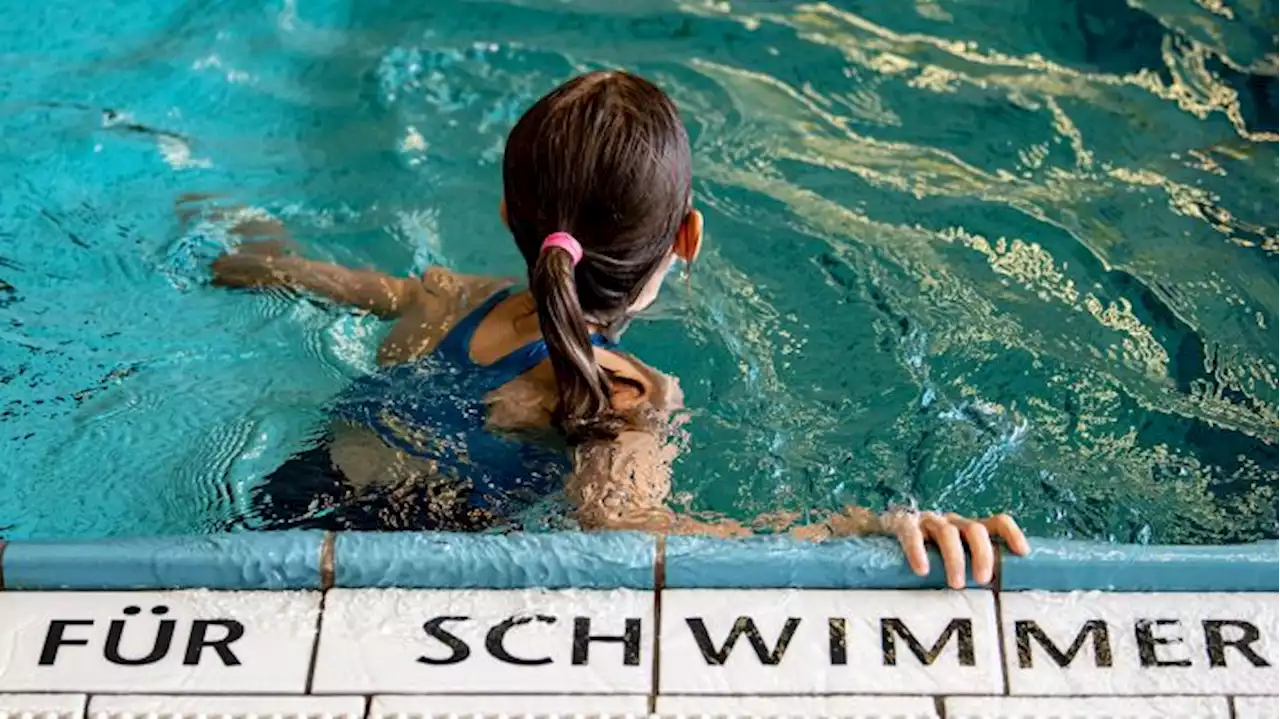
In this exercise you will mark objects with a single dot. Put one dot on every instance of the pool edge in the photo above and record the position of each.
(1067, 565)
(607, 560)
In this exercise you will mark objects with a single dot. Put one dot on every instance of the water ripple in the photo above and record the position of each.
(984, 255)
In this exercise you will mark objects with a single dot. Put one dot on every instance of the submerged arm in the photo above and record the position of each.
(624, 485)
(264, 266)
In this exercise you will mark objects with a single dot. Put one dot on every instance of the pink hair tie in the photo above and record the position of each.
(564, 241)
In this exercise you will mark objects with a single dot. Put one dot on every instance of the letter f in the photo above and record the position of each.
(53, 639)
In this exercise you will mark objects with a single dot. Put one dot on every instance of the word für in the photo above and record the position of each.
(215, 635)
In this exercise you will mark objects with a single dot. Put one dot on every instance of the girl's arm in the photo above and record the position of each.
(624, 485)
(262, 265)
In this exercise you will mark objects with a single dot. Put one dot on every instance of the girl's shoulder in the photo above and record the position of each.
(446, 297)
(458, 291)
(638, 383)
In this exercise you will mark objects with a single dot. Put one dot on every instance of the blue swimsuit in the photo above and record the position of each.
(434, 409)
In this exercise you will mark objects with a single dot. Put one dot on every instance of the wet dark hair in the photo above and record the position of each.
(605, 158)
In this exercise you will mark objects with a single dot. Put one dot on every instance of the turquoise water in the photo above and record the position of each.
(978, 255)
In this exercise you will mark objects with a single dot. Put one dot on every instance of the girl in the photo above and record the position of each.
(490, 397)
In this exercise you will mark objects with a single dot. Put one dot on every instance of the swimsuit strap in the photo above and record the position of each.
(456, 346)
(531, 355)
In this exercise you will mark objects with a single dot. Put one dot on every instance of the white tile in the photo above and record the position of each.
(833, 707)
(245, 707)
(1140, 643)
(877, 655)
(477, 641)
(1087, 708)
(427, 707)
(1257, 707)
(196, 641)
(41, 706)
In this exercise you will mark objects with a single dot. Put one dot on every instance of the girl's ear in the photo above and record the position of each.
(502, 212)
(689, 238)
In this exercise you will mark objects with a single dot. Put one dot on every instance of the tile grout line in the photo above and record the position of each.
(659, 580)
(700, 695)
(997, 581)
(326, 583)
(315, 646)
(3, 544)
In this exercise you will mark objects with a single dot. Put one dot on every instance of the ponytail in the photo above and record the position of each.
(584, 411)
(606, 156)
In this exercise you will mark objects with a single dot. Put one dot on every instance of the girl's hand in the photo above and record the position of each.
(951, 533)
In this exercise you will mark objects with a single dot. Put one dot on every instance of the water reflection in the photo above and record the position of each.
(980, 254)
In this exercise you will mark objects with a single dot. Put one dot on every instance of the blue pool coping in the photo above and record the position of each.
(606, 560)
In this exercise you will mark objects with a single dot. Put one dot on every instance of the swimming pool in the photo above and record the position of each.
(977, 255)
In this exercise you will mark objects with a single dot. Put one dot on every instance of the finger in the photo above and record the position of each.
(912, 541)
(981, 553)
(775, 521)
(947, 537)
(1003, 526)
(811, 533)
